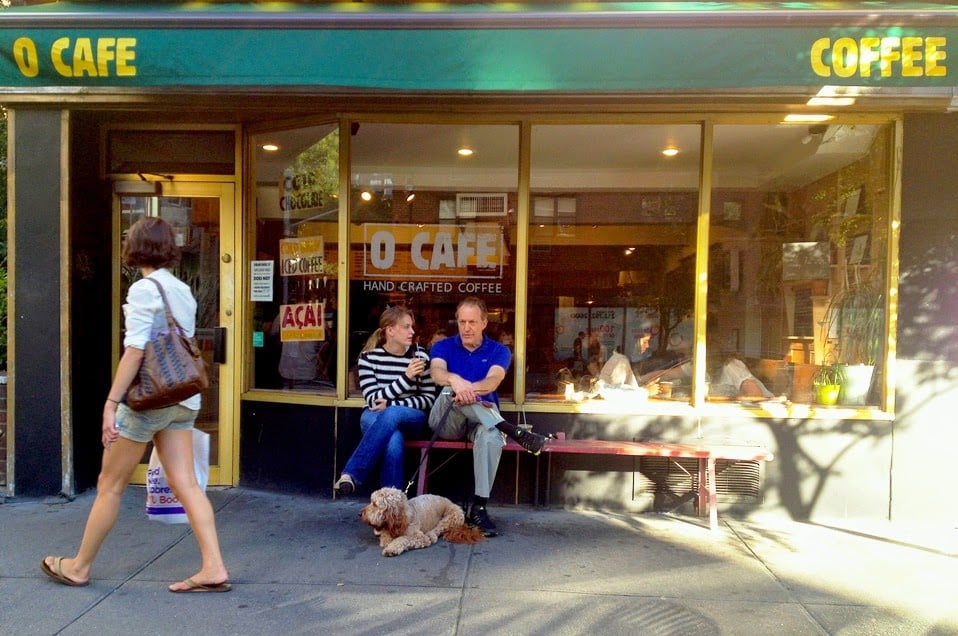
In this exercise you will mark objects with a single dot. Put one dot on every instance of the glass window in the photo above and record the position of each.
(293, 282)
(611, 256)
(798, 263)
(432, 211)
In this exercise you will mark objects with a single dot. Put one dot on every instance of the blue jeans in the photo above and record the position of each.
(382, 443)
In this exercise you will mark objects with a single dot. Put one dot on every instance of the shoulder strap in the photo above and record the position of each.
(170, 320)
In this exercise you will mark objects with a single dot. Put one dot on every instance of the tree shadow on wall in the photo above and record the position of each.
(808, 453)
(928, 296)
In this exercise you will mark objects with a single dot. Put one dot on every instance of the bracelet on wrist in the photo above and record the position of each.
(112, 400)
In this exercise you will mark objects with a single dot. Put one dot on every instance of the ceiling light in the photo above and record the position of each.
(464, 152)
(365, 195)
(671, 151)
(410, 196)
(806, 118)
(270, 147)
(831, 101)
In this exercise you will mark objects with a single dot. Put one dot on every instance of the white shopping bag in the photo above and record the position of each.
(161, 504)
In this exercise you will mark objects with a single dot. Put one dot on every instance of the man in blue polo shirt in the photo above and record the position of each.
(470, 366)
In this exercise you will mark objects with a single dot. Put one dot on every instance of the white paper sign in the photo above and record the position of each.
(261, 281)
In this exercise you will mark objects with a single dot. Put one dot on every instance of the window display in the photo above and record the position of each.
(294, 272)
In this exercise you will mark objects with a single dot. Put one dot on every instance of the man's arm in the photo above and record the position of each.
(466, 392)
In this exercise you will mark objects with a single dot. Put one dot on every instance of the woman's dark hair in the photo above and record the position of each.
(150, 243)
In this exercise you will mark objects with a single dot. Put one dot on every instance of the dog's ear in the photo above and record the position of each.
(394, 513)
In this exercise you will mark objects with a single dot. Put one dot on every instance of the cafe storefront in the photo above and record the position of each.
(693, 185)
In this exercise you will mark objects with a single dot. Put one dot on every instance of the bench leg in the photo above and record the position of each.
(707, 490)
(713, 507)
(423, 471)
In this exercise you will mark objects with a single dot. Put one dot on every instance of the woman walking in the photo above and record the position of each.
(395, 381)
(151, 247)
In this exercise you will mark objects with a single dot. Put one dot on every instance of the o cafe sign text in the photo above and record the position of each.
(476, 250)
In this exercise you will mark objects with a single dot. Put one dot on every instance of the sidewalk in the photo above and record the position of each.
(307, 565)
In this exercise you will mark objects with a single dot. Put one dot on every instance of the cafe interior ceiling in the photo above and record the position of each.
(766, 158)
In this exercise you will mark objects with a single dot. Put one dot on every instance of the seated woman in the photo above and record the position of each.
(395, 381)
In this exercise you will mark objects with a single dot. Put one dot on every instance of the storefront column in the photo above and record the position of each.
(40, 442)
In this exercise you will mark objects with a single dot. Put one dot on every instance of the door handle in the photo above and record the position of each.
(219, 345)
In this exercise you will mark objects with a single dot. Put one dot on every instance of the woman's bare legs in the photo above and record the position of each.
(119, 461)
(175, 448)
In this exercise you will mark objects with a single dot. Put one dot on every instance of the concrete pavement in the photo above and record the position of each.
(307, 565)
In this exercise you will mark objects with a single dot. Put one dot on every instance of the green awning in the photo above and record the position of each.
(611, 47)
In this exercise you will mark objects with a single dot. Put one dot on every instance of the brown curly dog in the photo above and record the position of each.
(407, 524)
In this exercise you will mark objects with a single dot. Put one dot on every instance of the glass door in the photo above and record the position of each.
(201, 215)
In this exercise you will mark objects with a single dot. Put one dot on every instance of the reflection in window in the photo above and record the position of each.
(611, 254)
(293, 287)
(798, 260)
(431, 225)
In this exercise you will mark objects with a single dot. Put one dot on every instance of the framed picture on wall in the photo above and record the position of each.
(806, 261)
(858, 250)
(851, 203)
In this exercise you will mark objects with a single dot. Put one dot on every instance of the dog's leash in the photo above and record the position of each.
(432, 440)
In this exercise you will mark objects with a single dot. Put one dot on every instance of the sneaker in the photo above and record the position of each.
(479, 518)
(344, 486)
(532, 442)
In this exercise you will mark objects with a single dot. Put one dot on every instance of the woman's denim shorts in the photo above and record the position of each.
(141, 426)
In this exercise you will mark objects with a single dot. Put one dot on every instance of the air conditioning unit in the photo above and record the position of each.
(472, 205)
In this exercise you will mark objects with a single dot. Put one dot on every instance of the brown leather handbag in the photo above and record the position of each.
(172, 369)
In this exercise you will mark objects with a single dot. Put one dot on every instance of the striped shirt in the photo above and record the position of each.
(382, 375)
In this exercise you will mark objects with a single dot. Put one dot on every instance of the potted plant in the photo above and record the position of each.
(827, 384)
(854, 326)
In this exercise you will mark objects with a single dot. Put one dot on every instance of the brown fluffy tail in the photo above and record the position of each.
(463, 534)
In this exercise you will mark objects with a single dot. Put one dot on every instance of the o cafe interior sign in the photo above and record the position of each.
(476, 250)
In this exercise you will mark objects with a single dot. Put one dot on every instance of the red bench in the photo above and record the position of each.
(706, 454)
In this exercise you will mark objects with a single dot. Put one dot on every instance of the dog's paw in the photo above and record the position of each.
(391, 551)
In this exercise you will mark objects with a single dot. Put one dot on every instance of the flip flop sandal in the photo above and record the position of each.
(56, 573)
(193, 586)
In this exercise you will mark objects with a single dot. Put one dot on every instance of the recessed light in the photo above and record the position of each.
(806, 118)
(671, 151)
(270, 147)
(365, 195)
(831, 101)
(464, 152)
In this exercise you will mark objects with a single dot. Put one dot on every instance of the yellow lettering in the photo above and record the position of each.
(819, 66)
(867, 54)
(83, 59)
(845, 57)
(125, 55)
(915, 56)
(56, 54)
(25, 54)
(911, 57)
(935, 53)
(104, 55)
(890, 52)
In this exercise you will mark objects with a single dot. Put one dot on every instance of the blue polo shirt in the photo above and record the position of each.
(473, 365)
